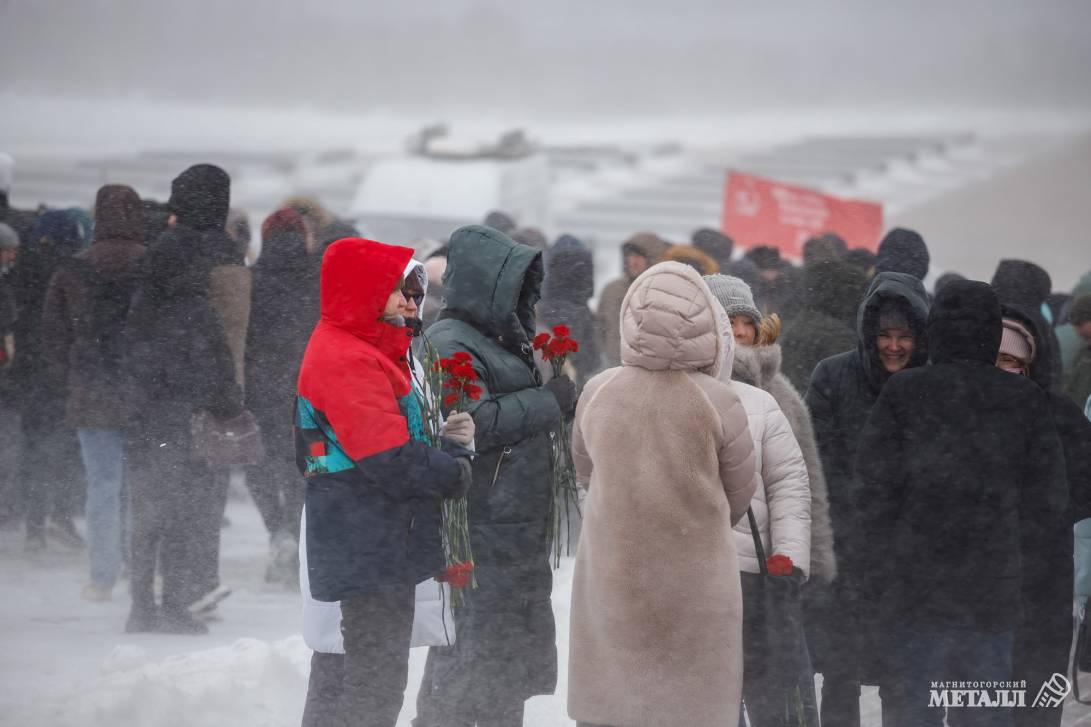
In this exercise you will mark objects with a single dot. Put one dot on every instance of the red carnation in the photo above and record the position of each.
(779, 565)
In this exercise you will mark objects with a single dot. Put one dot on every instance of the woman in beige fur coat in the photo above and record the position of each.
(664, 451)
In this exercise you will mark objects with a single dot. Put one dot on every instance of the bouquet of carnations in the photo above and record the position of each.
(554, 348)
(451, 384)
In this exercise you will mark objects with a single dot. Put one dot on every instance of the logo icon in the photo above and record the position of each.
(1053, 692)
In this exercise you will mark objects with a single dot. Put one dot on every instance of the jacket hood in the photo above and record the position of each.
(833, 288)
(908, 292)
(119, 214)
(493, 283)
(283, 240)
(648, 244)
(1022, 283)
(358, 277)
(1041, 372)
(757, 365)
(903, 251)
(965, 323)
(693, 257)
(670, 321)
(715, 244)
(1083, 287)
(569, 272)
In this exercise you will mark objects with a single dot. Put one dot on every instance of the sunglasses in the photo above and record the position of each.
(414, 294)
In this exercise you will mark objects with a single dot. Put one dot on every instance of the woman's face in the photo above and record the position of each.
(1011, 364)
(414, 297)
(744, 330)
(895, 348)
(396, 305)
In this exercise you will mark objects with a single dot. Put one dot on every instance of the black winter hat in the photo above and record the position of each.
(200, 197)
(903, 251)
(765, 257)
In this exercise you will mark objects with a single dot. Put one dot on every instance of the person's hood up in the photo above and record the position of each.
(200, 197)
(1083, 287)
(690, 255)
(358, 277)
(833, 287)
(670, 321)
(903, 251)
(493, 283)
(908, 292)
(119, 214)
(414, 270)
(1041, 372)
(1022, 283)
(965, 324)
(283, 240)
(715, 244)
(56, 233)
(569, 272)
(648, 244)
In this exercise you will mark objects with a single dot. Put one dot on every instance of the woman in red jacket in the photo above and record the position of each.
(360, 444)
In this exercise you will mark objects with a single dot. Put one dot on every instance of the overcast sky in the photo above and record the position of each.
(562, 58)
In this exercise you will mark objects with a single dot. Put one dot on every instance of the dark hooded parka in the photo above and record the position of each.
(1026, 286)
(284, 310)
(506, 650)
(569, 285)
(962, 478)
(86, 307)
(824, 327)
(1042, 644)
(841, 393)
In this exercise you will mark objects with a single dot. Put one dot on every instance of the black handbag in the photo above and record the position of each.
(773, 640)
(226, 442)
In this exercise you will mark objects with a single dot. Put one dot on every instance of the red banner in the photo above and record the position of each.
(760, 211)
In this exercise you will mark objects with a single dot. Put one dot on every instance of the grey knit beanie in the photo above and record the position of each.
(9, 239)
(734, 295)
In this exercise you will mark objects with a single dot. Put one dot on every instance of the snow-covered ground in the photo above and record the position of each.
(67, 662)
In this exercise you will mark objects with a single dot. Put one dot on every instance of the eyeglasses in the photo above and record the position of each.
(415, 295)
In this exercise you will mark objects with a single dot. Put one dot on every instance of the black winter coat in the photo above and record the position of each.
(1042, 645)
(284, 309)
(824, 327)
(962, 478)
(176, 350)
(506, 634)
(842, 391)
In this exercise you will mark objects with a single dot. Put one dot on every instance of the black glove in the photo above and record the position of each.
(564, 391)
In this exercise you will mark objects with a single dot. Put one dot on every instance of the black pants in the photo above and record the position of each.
(208, 512)
(377, 629)
(172, 497)
(278, 492)
(51, 474)
(324, 690)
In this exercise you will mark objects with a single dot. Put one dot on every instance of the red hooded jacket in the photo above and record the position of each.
(366, 476)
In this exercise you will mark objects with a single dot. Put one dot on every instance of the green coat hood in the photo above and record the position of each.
(493, 283)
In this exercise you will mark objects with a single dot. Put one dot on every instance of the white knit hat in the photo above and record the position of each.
(734, 295)
(7, 170)
(9, 238)
(1017, 341)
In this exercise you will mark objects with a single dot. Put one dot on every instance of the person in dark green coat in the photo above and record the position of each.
(505, 649)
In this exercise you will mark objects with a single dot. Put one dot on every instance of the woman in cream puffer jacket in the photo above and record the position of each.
(782, 495)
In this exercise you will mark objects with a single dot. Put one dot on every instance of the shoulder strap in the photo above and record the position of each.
(758, 548)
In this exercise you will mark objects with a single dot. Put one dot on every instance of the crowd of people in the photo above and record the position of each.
(788, 469)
